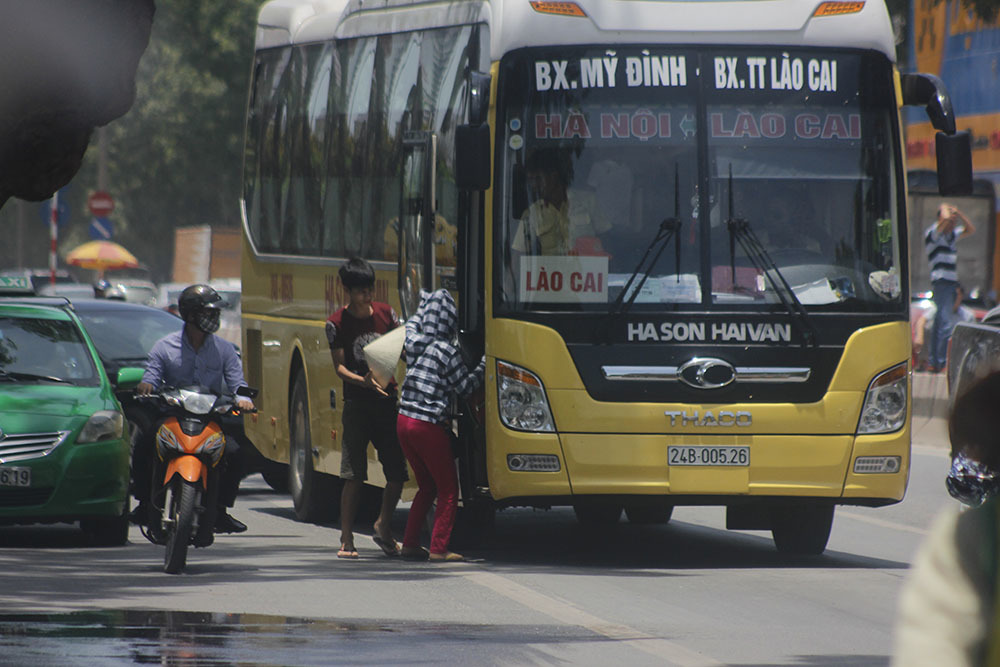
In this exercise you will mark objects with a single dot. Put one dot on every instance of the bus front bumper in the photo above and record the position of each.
(815, 466)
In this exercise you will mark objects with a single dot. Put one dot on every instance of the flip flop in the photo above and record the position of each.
(388, 547)
(347, 553)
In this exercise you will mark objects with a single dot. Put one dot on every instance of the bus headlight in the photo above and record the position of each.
(523, 405)
(885, 402)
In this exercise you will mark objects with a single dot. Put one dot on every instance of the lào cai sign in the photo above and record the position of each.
(555, 279)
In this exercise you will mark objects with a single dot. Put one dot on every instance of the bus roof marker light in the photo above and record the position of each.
(838, 8)
(557, 7)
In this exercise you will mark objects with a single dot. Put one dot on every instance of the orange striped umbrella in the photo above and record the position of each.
(101, 255)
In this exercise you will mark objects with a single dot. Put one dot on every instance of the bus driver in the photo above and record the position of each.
(560, 220)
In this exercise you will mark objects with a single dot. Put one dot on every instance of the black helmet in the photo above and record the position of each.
(201, 305)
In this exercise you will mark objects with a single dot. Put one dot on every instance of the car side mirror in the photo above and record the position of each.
(129, 378)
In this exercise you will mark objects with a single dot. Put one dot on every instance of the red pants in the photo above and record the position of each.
(428, 449)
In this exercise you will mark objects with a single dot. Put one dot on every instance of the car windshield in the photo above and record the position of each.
(127, 333)
(37, 349)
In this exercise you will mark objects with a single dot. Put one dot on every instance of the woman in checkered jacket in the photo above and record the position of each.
(435, 372)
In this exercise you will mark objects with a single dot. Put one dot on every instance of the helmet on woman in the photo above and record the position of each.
(201, 306)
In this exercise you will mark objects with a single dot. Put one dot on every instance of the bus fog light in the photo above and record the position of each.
(877, 464)
(885, 402)
(533, 462)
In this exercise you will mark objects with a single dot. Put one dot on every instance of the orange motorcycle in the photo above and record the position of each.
(189, 445)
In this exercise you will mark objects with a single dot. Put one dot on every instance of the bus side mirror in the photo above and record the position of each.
(472, 157)
(954, 163)
(929, 91)
(954, 149)
(479, 97)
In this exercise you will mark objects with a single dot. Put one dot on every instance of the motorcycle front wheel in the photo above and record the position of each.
(183, 499)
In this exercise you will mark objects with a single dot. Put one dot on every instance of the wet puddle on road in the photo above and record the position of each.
(123, 637)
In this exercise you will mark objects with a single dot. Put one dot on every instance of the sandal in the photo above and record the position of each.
(348, 552)
(388, 546)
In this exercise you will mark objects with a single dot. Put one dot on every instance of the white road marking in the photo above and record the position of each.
(881, 523)
(566, 612)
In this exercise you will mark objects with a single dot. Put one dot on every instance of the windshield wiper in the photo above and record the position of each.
(739, 230)
(669, 228)
(16, 376)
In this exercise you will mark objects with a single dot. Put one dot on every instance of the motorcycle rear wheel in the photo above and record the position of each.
(181, 512)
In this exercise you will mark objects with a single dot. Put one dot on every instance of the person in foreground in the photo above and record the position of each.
(369, 408)
(947, 609)
(193, 356)
(435, 372)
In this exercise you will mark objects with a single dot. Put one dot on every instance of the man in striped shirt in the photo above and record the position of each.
(939, 240)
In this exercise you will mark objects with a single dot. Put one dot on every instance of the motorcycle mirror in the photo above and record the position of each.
(249, 392)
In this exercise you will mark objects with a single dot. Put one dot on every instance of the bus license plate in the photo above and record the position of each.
(15, 476)
(708, 456)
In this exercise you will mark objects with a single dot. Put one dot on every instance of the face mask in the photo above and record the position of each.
(207, 320)
(971, 482)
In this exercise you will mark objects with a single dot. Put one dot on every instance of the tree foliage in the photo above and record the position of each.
(174, 160)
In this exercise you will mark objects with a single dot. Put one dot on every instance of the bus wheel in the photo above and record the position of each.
(313, 494)
(801, 530)
(649, 513)
(597, 514)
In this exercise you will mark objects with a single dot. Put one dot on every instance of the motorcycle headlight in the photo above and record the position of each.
(213, 447)
(197, 403)
(167, 443)
(884, 409)
(103, 425)
(523, 404)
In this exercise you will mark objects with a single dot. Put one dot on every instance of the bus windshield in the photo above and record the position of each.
(733, 172)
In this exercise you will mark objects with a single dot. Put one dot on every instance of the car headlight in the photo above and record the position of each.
(166, 443)
(523, 405)
(103, 425)
(885, 402)
(213, 447)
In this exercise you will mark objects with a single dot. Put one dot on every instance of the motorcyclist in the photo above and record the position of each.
(194, 356)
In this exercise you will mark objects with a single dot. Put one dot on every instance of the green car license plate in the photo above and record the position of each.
(15, 476)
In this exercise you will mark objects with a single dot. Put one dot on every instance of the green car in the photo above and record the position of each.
(64, 450)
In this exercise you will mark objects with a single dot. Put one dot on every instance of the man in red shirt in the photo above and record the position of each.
(369, 408)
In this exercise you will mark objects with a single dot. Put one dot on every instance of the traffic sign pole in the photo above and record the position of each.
(54, 237)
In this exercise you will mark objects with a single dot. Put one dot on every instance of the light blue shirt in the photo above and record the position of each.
(173, 362)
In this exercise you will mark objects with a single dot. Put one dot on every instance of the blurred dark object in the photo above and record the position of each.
(66, 67)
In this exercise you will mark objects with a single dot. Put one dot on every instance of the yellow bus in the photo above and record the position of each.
(676, 229)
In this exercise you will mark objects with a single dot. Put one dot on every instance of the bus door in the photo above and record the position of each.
(416, 219)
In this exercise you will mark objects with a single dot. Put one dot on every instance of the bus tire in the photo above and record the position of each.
(597, 514)
(314, 494)
(801, 530)
(649, 514)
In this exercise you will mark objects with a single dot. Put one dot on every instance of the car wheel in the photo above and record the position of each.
(107, 531)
